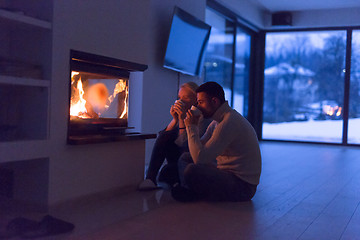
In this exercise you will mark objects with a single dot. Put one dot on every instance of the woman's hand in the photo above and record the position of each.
(174, 113)
(180, 109)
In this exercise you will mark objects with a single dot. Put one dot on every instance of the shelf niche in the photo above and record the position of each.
(24, 114)
(24, 183)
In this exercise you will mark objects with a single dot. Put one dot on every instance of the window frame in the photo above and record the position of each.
(253, 32)
(349, 30)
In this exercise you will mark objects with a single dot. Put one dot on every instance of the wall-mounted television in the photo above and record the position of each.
(187, 43)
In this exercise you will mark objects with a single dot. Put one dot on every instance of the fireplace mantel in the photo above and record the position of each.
(93, 60)
(99, 138)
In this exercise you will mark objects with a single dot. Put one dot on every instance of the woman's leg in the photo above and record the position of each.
(184, 160)
(169, 173)
(163, 142)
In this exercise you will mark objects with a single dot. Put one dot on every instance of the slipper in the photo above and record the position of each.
(49, 226)
(17, 227)
(147, 184)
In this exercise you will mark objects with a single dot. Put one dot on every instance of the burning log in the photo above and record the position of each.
(96, 99)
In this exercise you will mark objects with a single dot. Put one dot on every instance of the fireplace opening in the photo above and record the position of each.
(99, 94)
(95, 96)
(98, 102)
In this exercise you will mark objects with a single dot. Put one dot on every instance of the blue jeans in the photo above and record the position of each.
(211, 183)
(165, 148)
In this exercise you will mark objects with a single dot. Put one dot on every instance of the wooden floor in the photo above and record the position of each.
(306, 192)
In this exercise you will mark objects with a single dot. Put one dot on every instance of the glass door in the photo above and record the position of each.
(242, 71)
(354, 103)
(304, 86)
(219, 53)
(227, 59)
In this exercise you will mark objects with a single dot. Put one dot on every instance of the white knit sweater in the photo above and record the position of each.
(232, 141)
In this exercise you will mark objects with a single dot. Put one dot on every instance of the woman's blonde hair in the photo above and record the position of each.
(191, 85)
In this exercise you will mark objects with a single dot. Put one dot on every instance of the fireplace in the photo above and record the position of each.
(99, 96)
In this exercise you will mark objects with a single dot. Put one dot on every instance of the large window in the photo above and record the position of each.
(227, 59)
(241, 78)
(354, 103)
(219, 53)
(304, 87)
(311, 87)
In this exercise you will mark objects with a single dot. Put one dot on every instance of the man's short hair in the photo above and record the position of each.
(212, 89)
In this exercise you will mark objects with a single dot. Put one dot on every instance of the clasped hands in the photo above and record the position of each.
(179, 111)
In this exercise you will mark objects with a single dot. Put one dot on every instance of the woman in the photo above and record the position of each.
(172, 141)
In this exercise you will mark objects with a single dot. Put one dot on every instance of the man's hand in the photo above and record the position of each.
(191, 118)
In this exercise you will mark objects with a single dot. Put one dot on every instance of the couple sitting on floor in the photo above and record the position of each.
(215, 160)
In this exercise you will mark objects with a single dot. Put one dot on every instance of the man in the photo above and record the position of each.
(225, 164)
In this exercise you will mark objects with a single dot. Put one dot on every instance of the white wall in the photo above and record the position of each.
(321, 18)
(330, 18)
(112, 28)
(247, 10)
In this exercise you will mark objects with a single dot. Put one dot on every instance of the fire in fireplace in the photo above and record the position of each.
(99, 94)
(95, 96)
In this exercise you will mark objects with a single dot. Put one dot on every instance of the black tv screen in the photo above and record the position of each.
(187, 43)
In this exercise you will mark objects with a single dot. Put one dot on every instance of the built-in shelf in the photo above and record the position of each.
(25, 78)
(22, 18)
(31, 149)
(24, 81)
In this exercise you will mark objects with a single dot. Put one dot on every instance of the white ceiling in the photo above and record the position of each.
(300, 5)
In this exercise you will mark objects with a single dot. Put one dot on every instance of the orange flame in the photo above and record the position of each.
(121, 86)
(78, 103)
(95, 96)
